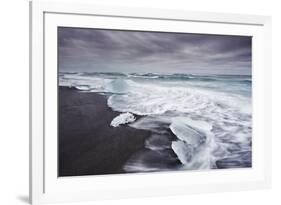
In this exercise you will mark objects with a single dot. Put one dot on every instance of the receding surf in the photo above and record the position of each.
(195, 121)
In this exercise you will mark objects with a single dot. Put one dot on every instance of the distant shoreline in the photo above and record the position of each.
(156, 73)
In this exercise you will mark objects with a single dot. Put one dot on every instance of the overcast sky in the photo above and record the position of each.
(93, 50)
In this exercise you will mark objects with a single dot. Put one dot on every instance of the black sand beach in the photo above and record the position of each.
(88, 145)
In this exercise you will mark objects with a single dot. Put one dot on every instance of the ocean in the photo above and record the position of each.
(196, 121)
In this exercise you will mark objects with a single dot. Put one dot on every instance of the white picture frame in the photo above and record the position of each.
(46, 187)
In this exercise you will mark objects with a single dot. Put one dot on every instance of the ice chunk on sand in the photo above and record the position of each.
(123, 118)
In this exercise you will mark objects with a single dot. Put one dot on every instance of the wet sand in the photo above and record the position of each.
(88, 145)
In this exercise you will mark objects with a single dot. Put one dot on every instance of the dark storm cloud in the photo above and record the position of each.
(94, 50)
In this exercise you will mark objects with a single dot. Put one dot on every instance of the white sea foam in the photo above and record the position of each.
(123, 118)
(211, 117)
(147, 99)
(86, 83)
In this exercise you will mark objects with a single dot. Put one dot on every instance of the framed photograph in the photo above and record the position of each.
(129, 102)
